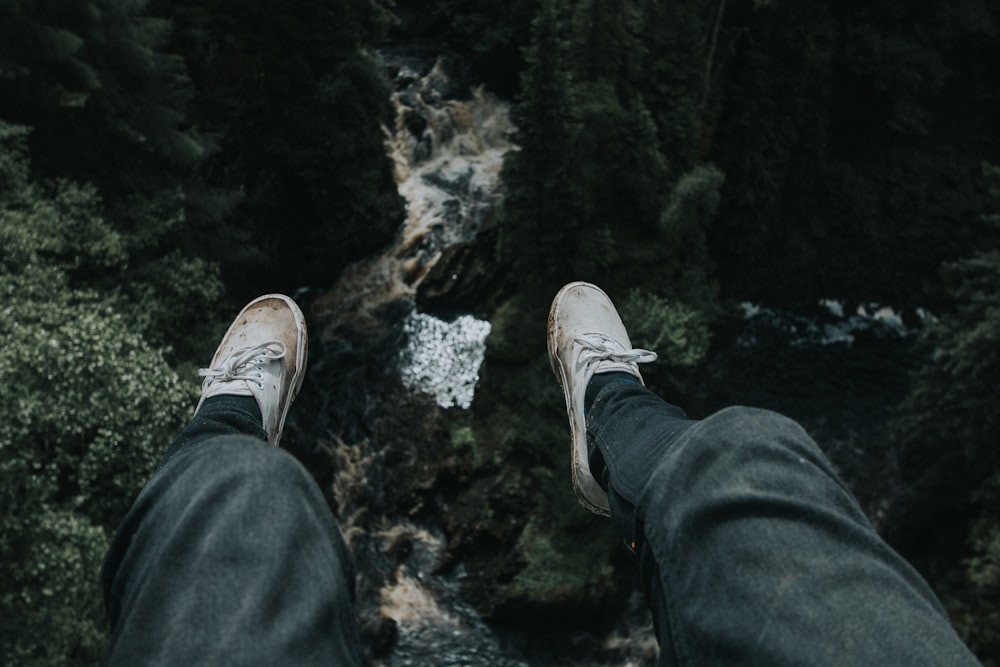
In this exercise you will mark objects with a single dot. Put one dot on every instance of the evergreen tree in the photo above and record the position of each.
(618, 166)
(852, 145)
(945, 443)
(107, 102)
(542, 209)
(673, 71)
(490, 35)
(605, 45)
(104, 96)
(298, 106)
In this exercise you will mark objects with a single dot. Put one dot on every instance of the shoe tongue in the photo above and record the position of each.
(230, 388)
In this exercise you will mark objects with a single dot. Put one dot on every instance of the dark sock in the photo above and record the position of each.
(224, 414)
(600, 381)
(240, 411)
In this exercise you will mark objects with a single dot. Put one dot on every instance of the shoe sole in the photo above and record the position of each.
(301, 355)
(587, 490)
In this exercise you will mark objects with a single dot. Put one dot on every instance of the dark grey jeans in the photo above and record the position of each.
(230, 556)
(751, 551)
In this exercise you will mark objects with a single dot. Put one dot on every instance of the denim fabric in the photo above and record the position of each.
(750, 549)
(229, 556)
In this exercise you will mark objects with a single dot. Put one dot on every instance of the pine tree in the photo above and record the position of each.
(605, 44)
(298, 105)
(945, 442)
(108, 101)
(542, 207)
(673, 69)
(619, 167)
(95, 81)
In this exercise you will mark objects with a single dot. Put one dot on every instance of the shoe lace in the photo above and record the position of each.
(245, 364)
(598, 347)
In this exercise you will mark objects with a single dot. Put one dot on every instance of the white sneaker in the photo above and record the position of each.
(585, 337)
(262, 355)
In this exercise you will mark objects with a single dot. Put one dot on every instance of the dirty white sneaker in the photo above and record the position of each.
(262, 355)
(586, 336)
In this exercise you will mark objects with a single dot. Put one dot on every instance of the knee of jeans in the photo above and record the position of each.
(742, 427)
(734, 442)
(750, 449)
(231, 459)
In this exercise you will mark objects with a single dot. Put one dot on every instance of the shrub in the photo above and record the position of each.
(88, 405)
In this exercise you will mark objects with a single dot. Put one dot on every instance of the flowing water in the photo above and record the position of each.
(447, 148)
(447, 153)
(377, 355)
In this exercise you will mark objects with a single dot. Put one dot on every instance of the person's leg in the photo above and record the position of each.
(230, 555)
(750, 549)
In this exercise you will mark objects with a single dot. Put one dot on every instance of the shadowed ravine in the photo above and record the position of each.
(380, 420)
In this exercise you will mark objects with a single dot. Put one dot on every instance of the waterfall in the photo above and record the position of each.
(447, 146)
(447, 152)
(389, 385)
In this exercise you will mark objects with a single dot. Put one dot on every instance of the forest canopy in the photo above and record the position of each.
(162, 162)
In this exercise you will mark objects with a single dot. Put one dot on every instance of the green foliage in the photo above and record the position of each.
(107, 100)
(852, 144)
(541, 207)
(58, 228)
(672, 68)
(561, 553)
(954, 396)
(165, 292)
(586, 188)
(984, 567)
(510, 341)
(558, 566)
(93, 406)
(53, 614)
(947, 434)
(976, 604)
(685, 225)
(297, 103)
(605, 47)
(692, 205)
(98, 72)
(676, 331)
(590, 193)
(492, 34)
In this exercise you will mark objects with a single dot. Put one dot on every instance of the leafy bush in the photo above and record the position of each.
(88, 405)
(677, 331)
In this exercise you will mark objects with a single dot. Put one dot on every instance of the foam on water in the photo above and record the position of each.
(443, 358)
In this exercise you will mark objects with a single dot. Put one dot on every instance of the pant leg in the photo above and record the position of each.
(229, 556)
(751, 551)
